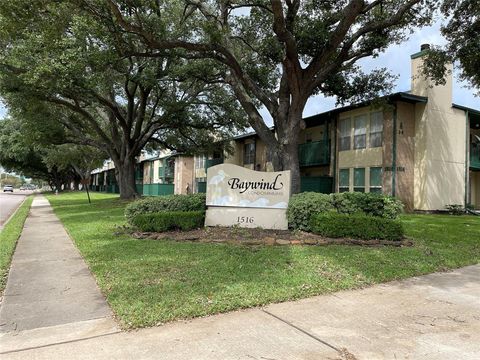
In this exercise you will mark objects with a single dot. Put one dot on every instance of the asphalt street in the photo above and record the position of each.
(9, 202)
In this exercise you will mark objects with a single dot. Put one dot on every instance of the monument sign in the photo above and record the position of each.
(247, 198)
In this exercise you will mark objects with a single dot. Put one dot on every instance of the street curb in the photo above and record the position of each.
(13, 214)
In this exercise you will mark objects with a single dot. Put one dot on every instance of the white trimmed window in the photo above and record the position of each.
(344, 180)
(376, 180)
(359, 179)
(360, 132)
(200, 161)
(249, 153)
(345, 128)
(376, 129)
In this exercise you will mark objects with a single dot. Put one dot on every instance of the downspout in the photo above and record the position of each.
(335, 154)
(394, 151)
(467, 156)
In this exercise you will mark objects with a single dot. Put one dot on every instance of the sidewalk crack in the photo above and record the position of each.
(343, 352)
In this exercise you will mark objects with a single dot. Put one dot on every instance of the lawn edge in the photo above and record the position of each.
(122, 322)
(26, 203)
(116, 318)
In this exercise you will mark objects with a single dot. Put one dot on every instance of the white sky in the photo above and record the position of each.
(397, 60)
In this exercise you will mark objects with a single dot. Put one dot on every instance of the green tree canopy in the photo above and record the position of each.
(462, 32)
(20, 155)
(275, 54)
(57, 55)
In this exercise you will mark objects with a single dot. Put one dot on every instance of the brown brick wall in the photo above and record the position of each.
(387, 149)
(405, 154)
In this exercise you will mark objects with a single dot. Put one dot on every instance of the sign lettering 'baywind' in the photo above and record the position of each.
(239, 196)
(236, 183)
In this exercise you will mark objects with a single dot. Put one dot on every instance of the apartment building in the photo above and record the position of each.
(161, 174)
(415, 145)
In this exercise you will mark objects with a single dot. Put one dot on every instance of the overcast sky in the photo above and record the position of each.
(397, 60)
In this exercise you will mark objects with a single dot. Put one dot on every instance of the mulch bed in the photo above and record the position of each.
(246, 236)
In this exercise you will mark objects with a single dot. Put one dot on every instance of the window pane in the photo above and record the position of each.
(359, 177)
(249, 153)
(344, 143)
(359, 189)
(376, 176)
(343, 189)
(376, 122)
(345, 127)
(344, 180)
(376, 190)
(376, 129)
(376, 139)
(345, 133)
(360, 125)
(360, 142)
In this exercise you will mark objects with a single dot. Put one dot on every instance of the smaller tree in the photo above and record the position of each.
(82, 160)
(9, 179)
(18, 155)
(57, 55)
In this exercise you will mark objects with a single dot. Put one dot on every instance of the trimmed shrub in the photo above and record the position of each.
(368, 203)
(356, 226)
(169, 220)
(302, 206)
(192, 202)
(344, 204)
(455, 209)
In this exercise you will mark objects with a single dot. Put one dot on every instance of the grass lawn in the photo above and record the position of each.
(148, 282)
(8, 239)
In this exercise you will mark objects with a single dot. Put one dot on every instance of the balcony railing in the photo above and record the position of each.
(165, 172)
(475, 156)
(213, 162)
(314, 153)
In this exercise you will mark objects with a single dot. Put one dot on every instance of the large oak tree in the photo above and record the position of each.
(56, 54)
(277, 54)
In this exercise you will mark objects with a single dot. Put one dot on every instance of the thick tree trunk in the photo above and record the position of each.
(290, 162)
(284, 152)
(58, 184)
(76, 184)
(287, 159)
(126, 179)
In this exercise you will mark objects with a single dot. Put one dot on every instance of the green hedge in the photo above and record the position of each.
(302, 206)
(356, 226)
(192, 202)
(368, 203)
(169, 220)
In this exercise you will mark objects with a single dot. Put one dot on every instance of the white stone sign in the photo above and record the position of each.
(247, 198)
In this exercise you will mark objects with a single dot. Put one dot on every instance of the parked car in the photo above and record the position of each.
(8, 188)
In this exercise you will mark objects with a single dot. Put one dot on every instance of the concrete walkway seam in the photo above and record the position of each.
(302, 330)
(59, 343)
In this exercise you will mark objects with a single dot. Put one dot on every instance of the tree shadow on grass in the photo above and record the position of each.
(153, 281)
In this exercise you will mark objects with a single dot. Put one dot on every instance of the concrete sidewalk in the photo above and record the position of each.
(58, 313)
(431, 317)
(49, 283)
